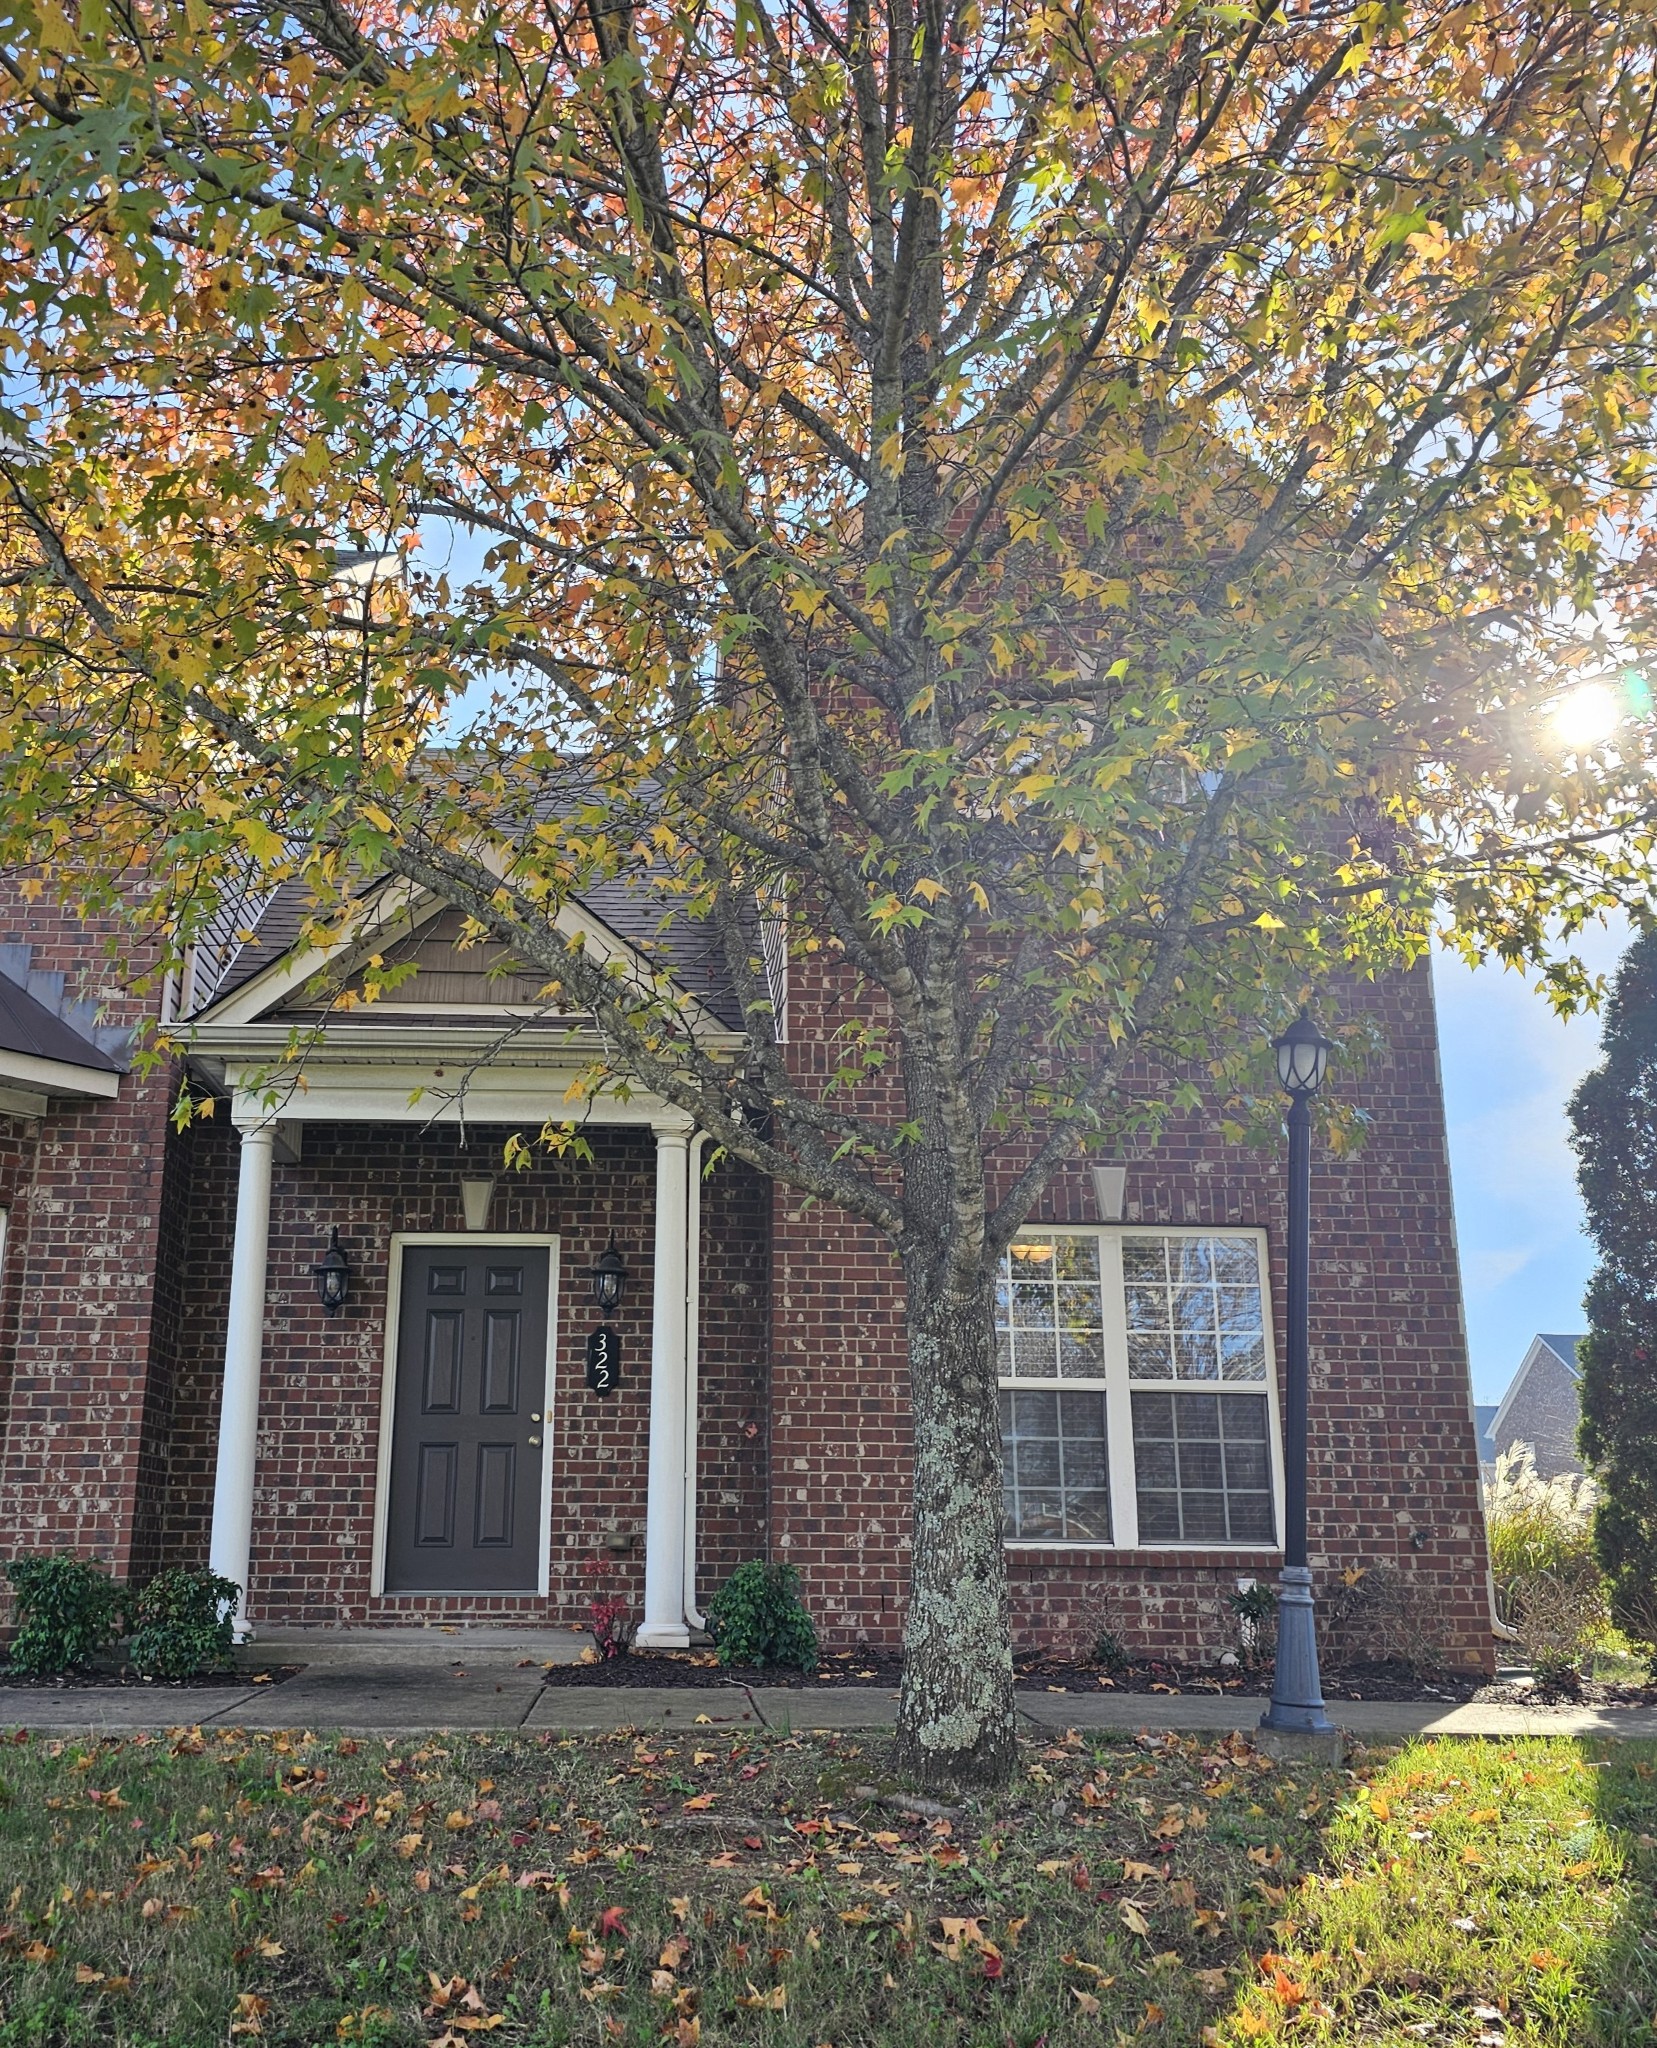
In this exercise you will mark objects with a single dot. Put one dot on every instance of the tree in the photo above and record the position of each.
(1614, 1132)
(1070, 520)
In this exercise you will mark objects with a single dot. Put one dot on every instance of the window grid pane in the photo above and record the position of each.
(1055, 1480)
(1050, 1334)
(1194, 1309)
(1202, 1469)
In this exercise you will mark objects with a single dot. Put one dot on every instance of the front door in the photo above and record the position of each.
(464, 1514)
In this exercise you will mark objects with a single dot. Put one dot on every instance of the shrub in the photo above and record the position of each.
(1549, 1587)
(1382, 1615)
(65, 1613)
(1110, 1653)
(182, 1623)
(1256, 1612)
(757, 1617)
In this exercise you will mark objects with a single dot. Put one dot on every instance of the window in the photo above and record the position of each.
(1137, 1403)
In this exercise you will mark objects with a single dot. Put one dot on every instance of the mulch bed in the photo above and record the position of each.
(126, 1679)
(701, 1669)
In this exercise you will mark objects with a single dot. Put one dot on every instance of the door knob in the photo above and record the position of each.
(535, 1439)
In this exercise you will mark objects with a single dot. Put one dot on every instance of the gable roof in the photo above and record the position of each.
(1564, 1349)
(1558, 1352)
(637, 918)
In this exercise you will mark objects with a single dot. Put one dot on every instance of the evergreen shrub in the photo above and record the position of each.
(757, 1617)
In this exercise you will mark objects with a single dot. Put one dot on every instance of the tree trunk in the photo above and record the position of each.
(955, 1713)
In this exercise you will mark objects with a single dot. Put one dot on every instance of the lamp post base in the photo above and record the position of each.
(1297, 1691)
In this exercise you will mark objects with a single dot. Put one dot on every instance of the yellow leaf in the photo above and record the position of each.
(1267, 923)
(259, 839)
(1132, 1919)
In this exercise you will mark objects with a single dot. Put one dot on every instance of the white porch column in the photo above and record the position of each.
(663, 1627)
(232, 1541)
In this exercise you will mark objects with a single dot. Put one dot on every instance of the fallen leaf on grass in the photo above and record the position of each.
(1139, 1873)
(1211, 1983)
(83, 1975)
(1086, 2001)
(1132, 1919)
(1093, 1970)
(774, 2000)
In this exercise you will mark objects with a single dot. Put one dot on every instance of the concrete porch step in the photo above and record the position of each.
(412, 1650)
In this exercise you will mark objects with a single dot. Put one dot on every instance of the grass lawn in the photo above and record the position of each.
(710, 1888)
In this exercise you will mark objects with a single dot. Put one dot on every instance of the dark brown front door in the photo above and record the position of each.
(465, 1508)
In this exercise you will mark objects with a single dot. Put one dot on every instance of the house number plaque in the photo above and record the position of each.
(603, 1359)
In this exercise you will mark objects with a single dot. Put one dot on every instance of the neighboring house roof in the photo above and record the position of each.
(1484, 1416)
(1565, 1350)
(1547, 1353)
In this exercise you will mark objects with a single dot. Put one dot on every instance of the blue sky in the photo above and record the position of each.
(1509, 1068)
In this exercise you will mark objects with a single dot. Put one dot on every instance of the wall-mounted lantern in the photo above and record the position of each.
(333, 1276)
(608, 1273)
(475, 1197)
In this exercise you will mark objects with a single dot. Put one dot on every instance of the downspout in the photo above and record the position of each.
(693, 1347)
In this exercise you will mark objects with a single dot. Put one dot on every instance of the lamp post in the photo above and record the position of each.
(1297, 1691)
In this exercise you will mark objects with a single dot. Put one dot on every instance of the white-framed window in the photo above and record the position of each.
(1138, 1403)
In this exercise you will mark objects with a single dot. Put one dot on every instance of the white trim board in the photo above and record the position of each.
(478, 1240)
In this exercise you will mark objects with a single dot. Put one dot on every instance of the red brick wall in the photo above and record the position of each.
(321, 1388)
(76, 1462)
(18, 1146)
(1394, 1453)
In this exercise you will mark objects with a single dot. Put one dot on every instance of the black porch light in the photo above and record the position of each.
(333, 1276)
(608, 1273)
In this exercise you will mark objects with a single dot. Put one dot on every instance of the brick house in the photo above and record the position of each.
(175, 1389)
(1543, 1406)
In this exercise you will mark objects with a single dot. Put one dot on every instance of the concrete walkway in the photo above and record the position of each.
(494, 1693)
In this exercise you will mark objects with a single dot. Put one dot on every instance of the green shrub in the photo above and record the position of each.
(65, 1613)
(1110, 1653)
(1549, 1586)
(757, 1618)
(182, 1623)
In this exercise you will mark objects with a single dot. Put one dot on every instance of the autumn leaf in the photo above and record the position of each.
(1132, 1919)
(774, 2000)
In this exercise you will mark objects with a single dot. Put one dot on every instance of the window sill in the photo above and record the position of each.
(1261, 1557)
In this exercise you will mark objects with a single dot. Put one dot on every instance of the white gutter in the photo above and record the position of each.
(693, 1348)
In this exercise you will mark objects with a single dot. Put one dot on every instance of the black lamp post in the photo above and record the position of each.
(1297, 1691)
(333, 1276)
(609, 1276)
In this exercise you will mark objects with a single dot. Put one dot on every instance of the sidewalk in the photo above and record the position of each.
(491, 1693)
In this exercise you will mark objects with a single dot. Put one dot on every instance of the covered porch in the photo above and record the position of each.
(488, 1481)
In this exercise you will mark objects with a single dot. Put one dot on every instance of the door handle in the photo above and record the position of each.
(535, 1439)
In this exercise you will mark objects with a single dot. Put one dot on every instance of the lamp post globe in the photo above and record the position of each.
(1297, 1688)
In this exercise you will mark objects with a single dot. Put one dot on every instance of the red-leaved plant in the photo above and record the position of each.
(607, 1612)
